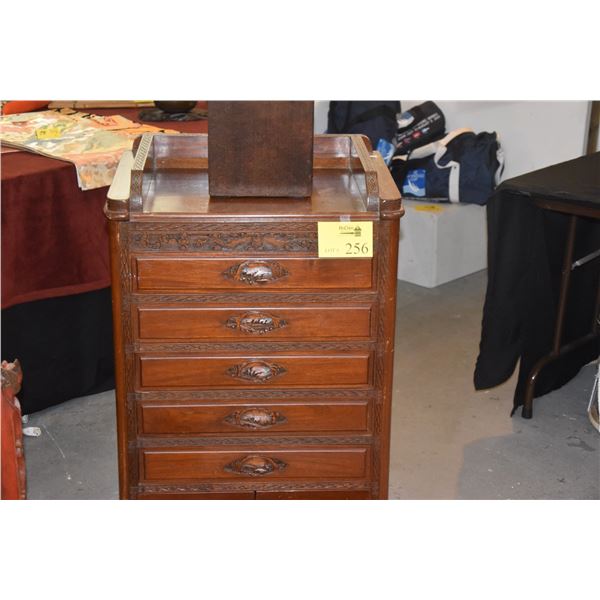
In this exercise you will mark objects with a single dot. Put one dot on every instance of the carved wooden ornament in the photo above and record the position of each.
(255, 322)
(255, 466)
(256, 272)
(255, 418)
(256, 371)
(12, 376)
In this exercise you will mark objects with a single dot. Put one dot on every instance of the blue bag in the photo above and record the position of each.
(461, 167)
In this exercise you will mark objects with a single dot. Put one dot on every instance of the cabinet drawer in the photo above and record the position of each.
(227, 417)
(315, 495)
(198, 496)
(177, 464)
(265, 322)
(159, 372)
(291, 495)
(199, 274)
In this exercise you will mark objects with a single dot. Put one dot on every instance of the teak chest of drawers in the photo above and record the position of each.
(248, 367)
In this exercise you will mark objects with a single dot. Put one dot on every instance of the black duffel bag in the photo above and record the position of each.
(375, 119)
(418, 126)
(461, 167)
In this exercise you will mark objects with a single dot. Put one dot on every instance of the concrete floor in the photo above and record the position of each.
(448, 441)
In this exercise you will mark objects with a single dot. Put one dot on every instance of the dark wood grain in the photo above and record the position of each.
(315, 495)
(260, 148)
(186, 464)
(184, 274)
(314, 370)
(199, 496)
(278, 322)
(119, 280)
(255, 417)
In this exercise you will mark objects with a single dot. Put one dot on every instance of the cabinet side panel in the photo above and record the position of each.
(388, 261)
(120, 383)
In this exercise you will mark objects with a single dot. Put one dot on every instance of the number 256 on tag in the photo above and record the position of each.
(345, 239)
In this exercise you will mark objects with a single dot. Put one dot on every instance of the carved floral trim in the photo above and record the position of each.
(256, 371)
(200, 241)
(256, 272)
(255, 418)
(255, 322)
(255, 466)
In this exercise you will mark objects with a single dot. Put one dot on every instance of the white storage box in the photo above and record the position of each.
(441, 242)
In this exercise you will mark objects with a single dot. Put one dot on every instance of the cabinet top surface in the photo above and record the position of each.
(168, 179)
(335, 194)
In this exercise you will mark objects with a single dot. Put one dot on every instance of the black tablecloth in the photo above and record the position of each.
(64, 345)
(575, 181)
(525, 254)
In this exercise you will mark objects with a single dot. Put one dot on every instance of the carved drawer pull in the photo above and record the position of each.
(256, 272)
(256, 371)
(255, 466)
(255, 322)
(255, 418)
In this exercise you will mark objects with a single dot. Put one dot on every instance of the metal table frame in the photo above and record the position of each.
(575, 212)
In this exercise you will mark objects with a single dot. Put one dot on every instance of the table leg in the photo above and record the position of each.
(527, 411)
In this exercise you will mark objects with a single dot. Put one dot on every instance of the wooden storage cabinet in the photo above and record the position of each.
(248, 367)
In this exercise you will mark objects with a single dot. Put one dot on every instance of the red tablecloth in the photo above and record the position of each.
(54, 235)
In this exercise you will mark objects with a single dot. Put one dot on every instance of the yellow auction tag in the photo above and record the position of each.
(49, 132)
(345, 239)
